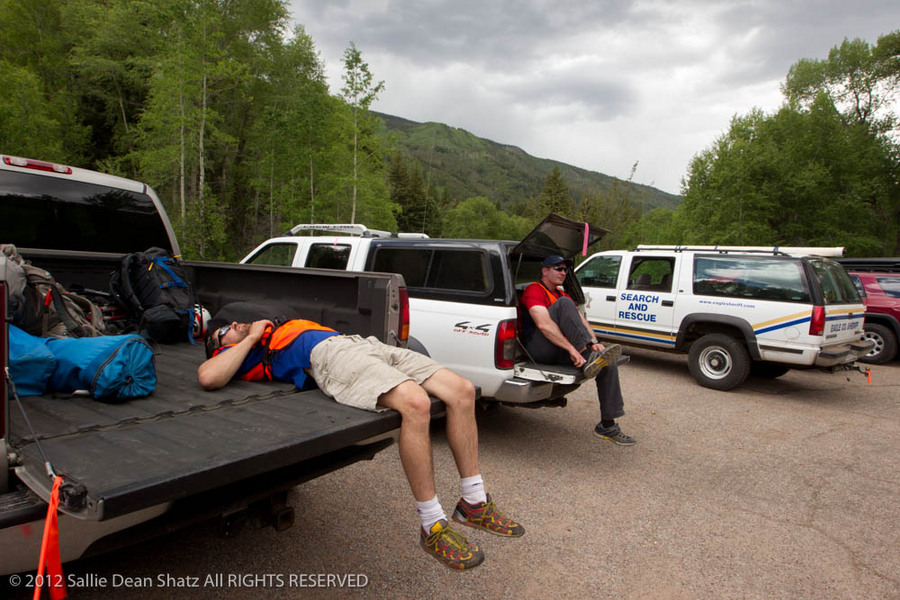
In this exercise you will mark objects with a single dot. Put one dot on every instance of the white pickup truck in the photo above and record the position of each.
(462, 295)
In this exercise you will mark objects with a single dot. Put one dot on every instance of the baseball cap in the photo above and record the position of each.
(554, 259)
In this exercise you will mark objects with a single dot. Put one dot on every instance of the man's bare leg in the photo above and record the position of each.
(414, 406)
(458, 395)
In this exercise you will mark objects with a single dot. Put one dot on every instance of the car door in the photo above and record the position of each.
(646, 299)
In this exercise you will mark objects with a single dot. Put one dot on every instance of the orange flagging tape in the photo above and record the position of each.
(50, 558)
(868, 375)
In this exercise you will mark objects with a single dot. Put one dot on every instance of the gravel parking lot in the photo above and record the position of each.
(786, 488)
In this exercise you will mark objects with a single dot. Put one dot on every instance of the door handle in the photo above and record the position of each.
(668, 303)
(610, 298)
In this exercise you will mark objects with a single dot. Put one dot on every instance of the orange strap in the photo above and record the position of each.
(549, 294)
(50, 558)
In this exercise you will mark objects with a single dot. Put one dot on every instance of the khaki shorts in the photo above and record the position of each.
(355, 371)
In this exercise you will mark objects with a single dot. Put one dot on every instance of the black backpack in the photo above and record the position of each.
(153, 289)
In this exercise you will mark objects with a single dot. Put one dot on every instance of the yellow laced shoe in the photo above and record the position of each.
(486, 516)
(450, 547)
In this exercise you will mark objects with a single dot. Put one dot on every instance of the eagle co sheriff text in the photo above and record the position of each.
(638, 307)
(220, 580)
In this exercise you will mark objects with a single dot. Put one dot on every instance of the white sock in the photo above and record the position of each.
(473, 489)
(430, 512)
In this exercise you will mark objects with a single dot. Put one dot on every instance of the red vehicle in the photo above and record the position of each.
(879, 280)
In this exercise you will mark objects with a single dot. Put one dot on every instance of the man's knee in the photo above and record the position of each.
(410, 400)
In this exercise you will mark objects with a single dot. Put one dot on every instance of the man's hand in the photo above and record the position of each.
(257, 329)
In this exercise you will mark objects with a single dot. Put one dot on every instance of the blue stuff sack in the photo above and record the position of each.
(31, 364)
(113, 368)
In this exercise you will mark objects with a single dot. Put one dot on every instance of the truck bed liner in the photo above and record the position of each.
(182, 440)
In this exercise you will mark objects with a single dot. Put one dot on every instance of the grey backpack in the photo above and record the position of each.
(41, 306)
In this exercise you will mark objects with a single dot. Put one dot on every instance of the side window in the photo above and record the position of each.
(600, 271)
(859, 284)
(890, 285)
(651, 273)
(759, 278)
(462, 270)
(328, 256)
(437, 269)
(409, 262)
(278, 255)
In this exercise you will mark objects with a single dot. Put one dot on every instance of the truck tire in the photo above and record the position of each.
(718, 361)
(885, 344)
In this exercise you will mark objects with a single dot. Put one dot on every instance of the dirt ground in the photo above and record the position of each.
(786, 488)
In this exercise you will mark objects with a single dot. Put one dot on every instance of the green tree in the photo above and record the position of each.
(359, 92)
(554, 196)
(615, 210)
(479, 218)
(859, 79)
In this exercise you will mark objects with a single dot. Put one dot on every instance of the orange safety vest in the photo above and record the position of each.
(550, 294)
(275, 339)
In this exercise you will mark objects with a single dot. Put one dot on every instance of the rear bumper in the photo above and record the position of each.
(841, 355)
(536, 383)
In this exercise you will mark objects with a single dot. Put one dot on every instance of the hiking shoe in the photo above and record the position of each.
(614, 434)
(486, 516)
(450, 547)
(601, 360)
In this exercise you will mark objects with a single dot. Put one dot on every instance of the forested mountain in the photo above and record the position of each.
(465, 165)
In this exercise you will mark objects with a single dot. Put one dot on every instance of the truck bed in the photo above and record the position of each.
(182, 440)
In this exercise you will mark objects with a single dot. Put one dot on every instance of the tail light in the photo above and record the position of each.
(40, 165)
(817, 321)
(404, 315)
(505, 345)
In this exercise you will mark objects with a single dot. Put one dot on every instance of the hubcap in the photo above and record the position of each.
(878, 348)
(715, 362)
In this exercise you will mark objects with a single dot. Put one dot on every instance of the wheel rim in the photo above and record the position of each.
(878, 348)
(715, 362)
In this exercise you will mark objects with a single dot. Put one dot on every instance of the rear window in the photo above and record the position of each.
(277, 255)
(60, 214)
(454, 274)
(751, 277)
(328, 256)
(837, 288)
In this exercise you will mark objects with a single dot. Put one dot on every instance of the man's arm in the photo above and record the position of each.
(548, 327)
(217, 371)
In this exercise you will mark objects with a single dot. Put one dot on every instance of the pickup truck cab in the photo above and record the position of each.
(731, 309)
(463, 295)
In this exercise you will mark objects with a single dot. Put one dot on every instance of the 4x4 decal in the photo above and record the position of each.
(468, 328)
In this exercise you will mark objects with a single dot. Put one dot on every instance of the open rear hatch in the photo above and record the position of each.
(567, 238)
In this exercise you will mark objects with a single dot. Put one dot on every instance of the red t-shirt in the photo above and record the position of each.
(535, 295)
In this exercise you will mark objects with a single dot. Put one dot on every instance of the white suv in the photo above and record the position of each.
(732, 309)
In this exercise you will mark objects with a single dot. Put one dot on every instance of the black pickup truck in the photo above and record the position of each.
(182, 454)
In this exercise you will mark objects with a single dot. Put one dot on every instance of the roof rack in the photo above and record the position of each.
(352, 229)
(831, 252)
(872, 265)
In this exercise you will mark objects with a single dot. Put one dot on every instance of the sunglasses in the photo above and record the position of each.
(561, 268)
(219, 333)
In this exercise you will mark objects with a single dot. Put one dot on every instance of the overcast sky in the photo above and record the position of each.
(599, 84)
